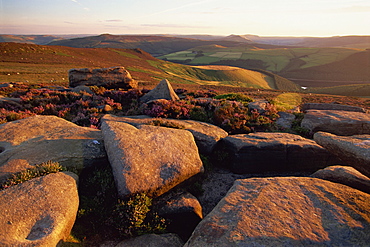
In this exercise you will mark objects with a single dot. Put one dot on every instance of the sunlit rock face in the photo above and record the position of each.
(287, 212)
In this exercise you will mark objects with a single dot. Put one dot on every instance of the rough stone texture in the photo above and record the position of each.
(163, 90)
(259, 105)
(114, 77)
(39, 139)
(39, 212)
(285, 120)
(354, 150)
(287, 212)
(79, 89)
(183, 212)
(265, 152)
(10, 101)
(337, 122)
(206, 135)
(11, 167)
(148, 158)
(153, 240)
(335, 107)
(345, 175)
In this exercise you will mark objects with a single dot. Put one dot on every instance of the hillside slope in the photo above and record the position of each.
(155, 45)
(352, 69)
(50, 64)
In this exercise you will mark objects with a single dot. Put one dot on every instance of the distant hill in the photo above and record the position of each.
(50, 64)
(357, 90)
(361, 42)
(29, 39)
(155, 45)
(351, 69)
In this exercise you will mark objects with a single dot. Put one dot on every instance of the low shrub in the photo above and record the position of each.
(34, 172)
(234, 97)
(133, 217)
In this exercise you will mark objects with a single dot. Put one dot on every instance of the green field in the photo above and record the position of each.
(275, 60)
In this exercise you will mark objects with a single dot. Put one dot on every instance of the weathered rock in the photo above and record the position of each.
(183, 212)
(148, 158)
(287, 212)
(153, 240)
(265, 152)
(39, 212)
(354, 150)
(79, 89)
(10, 101)
(344, 175)
(114, 77)
(11, 167)
(337, 122)
(259, 105)
(163, 90)
(285, 120)
(39, 139)
(206, 135)
(331, 107)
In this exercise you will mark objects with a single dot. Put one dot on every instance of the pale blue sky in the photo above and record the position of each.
(218, 17)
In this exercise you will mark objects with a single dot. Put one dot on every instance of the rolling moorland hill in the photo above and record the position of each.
(155, 45)
(36, 64)
(29, 39)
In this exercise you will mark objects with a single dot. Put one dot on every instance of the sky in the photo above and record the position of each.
(320, 18)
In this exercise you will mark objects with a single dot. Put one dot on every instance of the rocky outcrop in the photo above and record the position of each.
(344, 123)
(259, 106)
(285, 120)
(12, 167)
(39, 212)
(163, 90)
(39, 139)
(153, 240)
(206, 135)
(331, 107)
(148, 158)
(287, 212)
(265, 152)
(183, 212)
(344, 175)
(114, 77)
(354, 150)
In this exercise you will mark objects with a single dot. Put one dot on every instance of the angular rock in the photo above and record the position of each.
(113, 77)
(266, 152)
(331, 107)
(285, 120)
(354, 150)
(80, 89)
(163, 90)
(11, 167)
(38, 212)
(259, 105)
(153, 240)
(287, 212)
(39, 139)
(148, 158)
(344, 175)
(183, 212)
(206, 135)
(337, 122)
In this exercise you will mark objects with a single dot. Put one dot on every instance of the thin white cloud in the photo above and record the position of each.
(83, 7)
(355, 9)
(115, 20)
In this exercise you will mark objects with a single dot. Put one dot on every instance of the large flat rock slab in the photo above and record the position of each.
(39, 139)
(149, 159)
(39, 212)
(287, 212)
(344, 175)
(206, 135)
(265, 152)
(344, 123)
(335, 107)
(354, 150)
